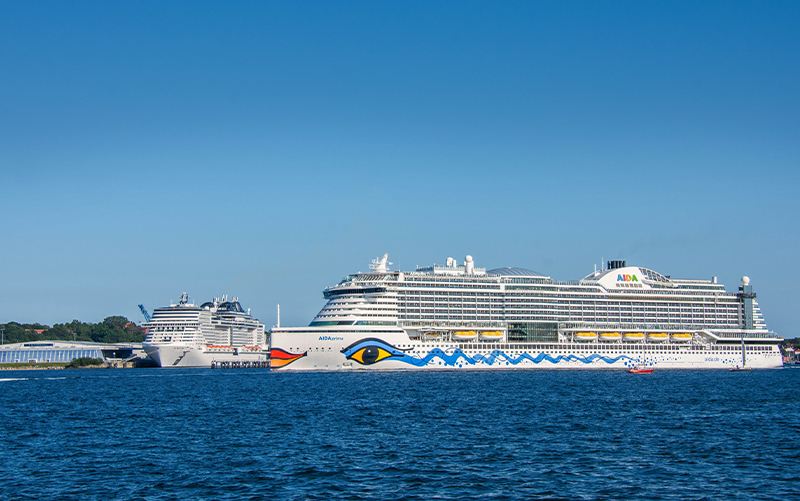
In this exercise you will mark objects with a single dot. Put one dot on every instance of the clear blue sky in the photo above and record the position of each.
(265, 149)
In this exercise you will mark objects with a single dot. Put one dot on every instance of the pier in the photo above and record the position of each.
(246, 364)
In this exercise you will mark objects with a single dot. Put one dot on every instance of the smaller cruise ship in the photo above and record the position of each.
(218, 331)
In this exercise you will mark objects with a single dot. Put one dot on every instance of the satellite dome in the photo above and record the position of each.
(745, 280)
(468, 258)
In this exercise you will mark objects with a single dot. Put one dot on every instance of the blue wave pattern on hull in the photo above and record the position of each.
(389, 352)
(501, 356)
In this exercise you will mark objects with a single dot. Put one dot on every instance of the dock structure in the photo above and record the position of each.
(245, 364)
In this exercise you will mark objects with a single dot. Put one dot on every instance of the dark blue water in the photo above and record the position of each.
(255, 434)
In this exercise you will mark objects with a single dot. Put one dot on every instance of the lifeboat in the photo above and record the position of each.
(464, 335)
(585, 336)
(491, 336)
(634, 336)
(610, 336)
(682, 337)
(657, 337)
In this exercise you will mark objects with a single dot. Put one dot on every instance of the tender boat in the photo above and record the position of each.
(634, 336)
(610, 336)
(464, 335)
(585, 336)
(491, 336)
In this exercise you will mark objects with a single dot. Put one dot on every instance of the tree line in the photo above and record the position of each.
(115, 329)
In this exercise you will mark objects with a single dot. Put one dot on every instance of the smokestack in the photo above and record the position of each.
(614, 264)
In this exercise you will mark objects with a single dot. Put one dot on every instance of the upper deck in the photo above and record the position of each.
(454, 293)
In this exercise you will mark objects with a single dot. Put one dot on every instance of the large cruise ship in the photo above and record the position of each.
(216, 332)
(460, 316)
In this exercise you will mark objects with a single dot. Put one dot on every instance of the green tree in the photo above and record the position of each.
(116, 322)
(114, 329)
(83, 362)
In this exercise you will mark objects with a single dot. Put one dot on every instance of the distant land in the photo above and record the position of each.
(791, 343)
(114, 329)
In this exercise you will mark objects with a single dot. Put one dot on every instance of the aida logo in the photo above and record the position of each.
(331, 338)
(627, 278)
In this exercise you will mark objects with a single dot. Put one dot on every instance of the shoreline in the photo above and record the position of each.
(27, 367)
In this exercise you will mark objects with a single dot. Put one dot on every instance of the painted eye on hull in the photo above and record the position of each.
(370, 354)
(372, 350)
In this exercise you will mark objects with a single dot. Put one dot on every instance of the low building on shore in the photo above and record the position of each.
(66, 351)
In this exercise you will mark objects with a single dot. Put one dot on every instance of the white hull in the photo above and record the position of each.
(391, 348)
(181, 355)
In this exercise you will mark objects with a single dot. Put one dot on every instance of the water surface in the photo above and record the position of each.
(255, 434)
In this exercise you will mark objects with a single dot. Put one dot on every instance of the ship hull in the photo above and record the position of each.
(296, 349)
(181, 355)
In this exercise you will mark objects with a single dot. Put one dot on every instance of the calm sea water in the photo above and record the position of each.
(256, 434)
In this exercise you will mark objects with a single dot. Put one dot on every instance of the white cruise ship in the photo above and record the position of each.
(462, 317)
(186, 335)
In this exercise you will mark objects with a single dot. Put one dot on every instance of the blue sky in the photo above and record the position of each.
(265, 150)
